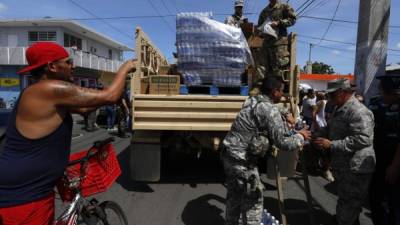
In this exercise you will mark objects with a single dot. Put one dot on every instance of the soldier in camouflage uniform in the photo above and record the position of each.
(275, 54)
(237, 19)
(350, 135)
(385, 184)
(244, 196)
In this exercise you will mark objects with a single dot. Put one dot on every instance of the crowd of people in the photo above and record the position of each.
(358, 147)
(114, 117)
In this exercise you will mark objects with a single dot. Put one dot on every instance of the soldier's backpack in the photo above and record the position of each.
(259, 144)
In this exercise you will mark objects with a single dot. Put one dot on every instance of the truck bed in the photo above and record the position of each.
(185, 112)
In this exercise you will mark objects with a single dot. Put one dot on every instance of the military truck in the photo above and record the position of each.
(190, 122)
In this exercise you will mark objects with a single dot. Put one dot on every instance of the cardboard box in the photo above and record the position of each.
(144, 85)
(163, 70)
(164, 84)
(256, 42)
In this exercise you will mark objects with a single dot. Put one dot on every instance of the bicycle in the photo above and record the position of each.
(77, 184)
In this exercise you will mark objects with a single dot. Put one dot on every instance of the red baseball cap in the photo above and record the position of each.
(41, 53)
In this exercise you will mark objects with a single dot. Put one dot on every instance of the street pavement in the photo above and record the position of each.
(191, 191)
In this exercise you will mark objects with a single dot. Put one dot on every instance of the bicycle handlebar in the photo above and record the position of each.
(96, 146)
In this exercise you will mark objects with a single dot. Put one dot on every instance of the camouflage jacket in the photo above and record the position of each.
(351, 130)
(271, 124)
(235, 20)
(282, 13)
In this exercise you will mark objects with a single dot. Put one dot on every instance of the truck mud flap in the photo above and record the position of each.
(145, 156)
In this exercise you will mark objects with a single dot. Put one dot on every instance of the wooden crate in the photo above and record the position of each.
(164, 84)
(144, 85)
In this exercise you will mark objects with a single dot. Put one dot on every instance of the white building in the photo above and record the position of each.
(96, 56)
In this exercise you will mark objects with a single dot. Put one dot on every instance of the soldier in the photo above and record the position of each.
(385, 183)
(258, 117)
(275, 50)
(237, 19)
(350, 142)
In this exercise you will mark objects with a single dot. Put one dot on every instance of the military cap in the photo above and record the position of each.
(338, 84)
(239, 3)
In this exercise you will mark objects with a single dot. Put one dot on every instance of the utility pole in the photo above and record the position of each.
(309, 63)
(372, 39)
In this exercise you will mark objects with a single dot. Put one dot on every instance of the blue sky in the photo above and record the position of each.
(162, 30)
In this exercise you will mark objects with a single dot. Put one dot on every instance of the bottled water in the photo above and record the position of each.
(218, 52)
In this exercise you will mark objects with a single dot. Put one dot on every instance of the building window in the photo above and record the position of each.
(93, 50)
(72, 41)
(110, 53)
(34, 36)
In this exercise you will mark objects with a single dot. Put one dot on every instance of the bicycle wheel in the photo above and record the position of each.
(114, 214)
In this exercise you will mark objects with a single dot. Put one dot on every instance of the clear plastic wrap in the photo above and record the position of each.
(210, 52)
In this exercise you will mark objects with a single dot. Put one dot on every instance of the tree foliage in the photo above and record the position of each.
(320, 68)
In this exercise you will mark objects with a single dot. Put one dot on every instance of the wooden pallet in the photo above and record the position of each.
(214, 90)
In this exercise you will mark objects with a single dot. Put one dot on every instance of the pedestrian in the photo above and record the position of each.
(90, 118)
(38, 136)
(237, 19)
(319, 123)
(275, 51)
(385, 185)
(2, 103)
(111, 111)
(123, 115)
(258, 125)
(349, 139)
(309, 107)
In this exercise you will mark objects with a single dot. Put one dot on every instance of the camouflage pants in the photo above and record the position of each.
(244, 197)
(275, 57)
(352, 192)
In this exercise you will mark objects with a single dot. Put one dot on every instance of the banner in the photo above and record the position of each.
(9, 82)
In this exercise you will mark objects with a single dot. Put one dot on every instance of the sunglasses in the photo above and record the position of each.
(70, 61)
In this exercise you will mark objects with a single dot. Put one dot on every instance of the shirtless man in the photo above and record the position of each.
(38, 137)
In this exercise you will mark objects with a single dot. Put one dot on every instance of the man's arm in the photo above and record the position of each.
(261, 18)
(72, 96)
(361, 133)
(270, 118)
(289, 17)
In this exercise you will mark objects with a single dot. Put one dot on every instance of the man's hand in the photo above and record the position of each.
(305, 133)
(274, 24)
(322, 143)
(392, 174)
(130, 65)
(290, 119)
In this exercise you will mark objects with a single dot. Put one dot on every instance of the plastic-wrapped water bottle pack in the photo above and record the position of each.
(210, 52)
(268, 219)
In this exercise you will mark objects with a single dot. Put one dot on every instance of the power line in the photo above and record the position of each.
(306, 7)
(105, 22)
(302, 5)
(165, 6)
(317, 6)
(342, 49)
(330, 24)
(158, 13)
(341, 42)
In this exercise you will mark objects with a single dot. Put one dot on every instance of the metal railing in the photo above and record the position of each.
(16, 56)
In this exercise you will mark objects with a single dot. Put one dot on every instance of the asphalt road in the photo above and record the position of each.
(191, 191)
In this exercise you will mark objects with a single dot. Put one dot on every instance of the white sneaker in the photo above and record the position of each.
(328, 175)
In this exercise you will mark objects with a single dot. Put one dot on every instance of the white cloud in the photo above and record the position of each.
(2, 7)
(398, 45)
(336, 52)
